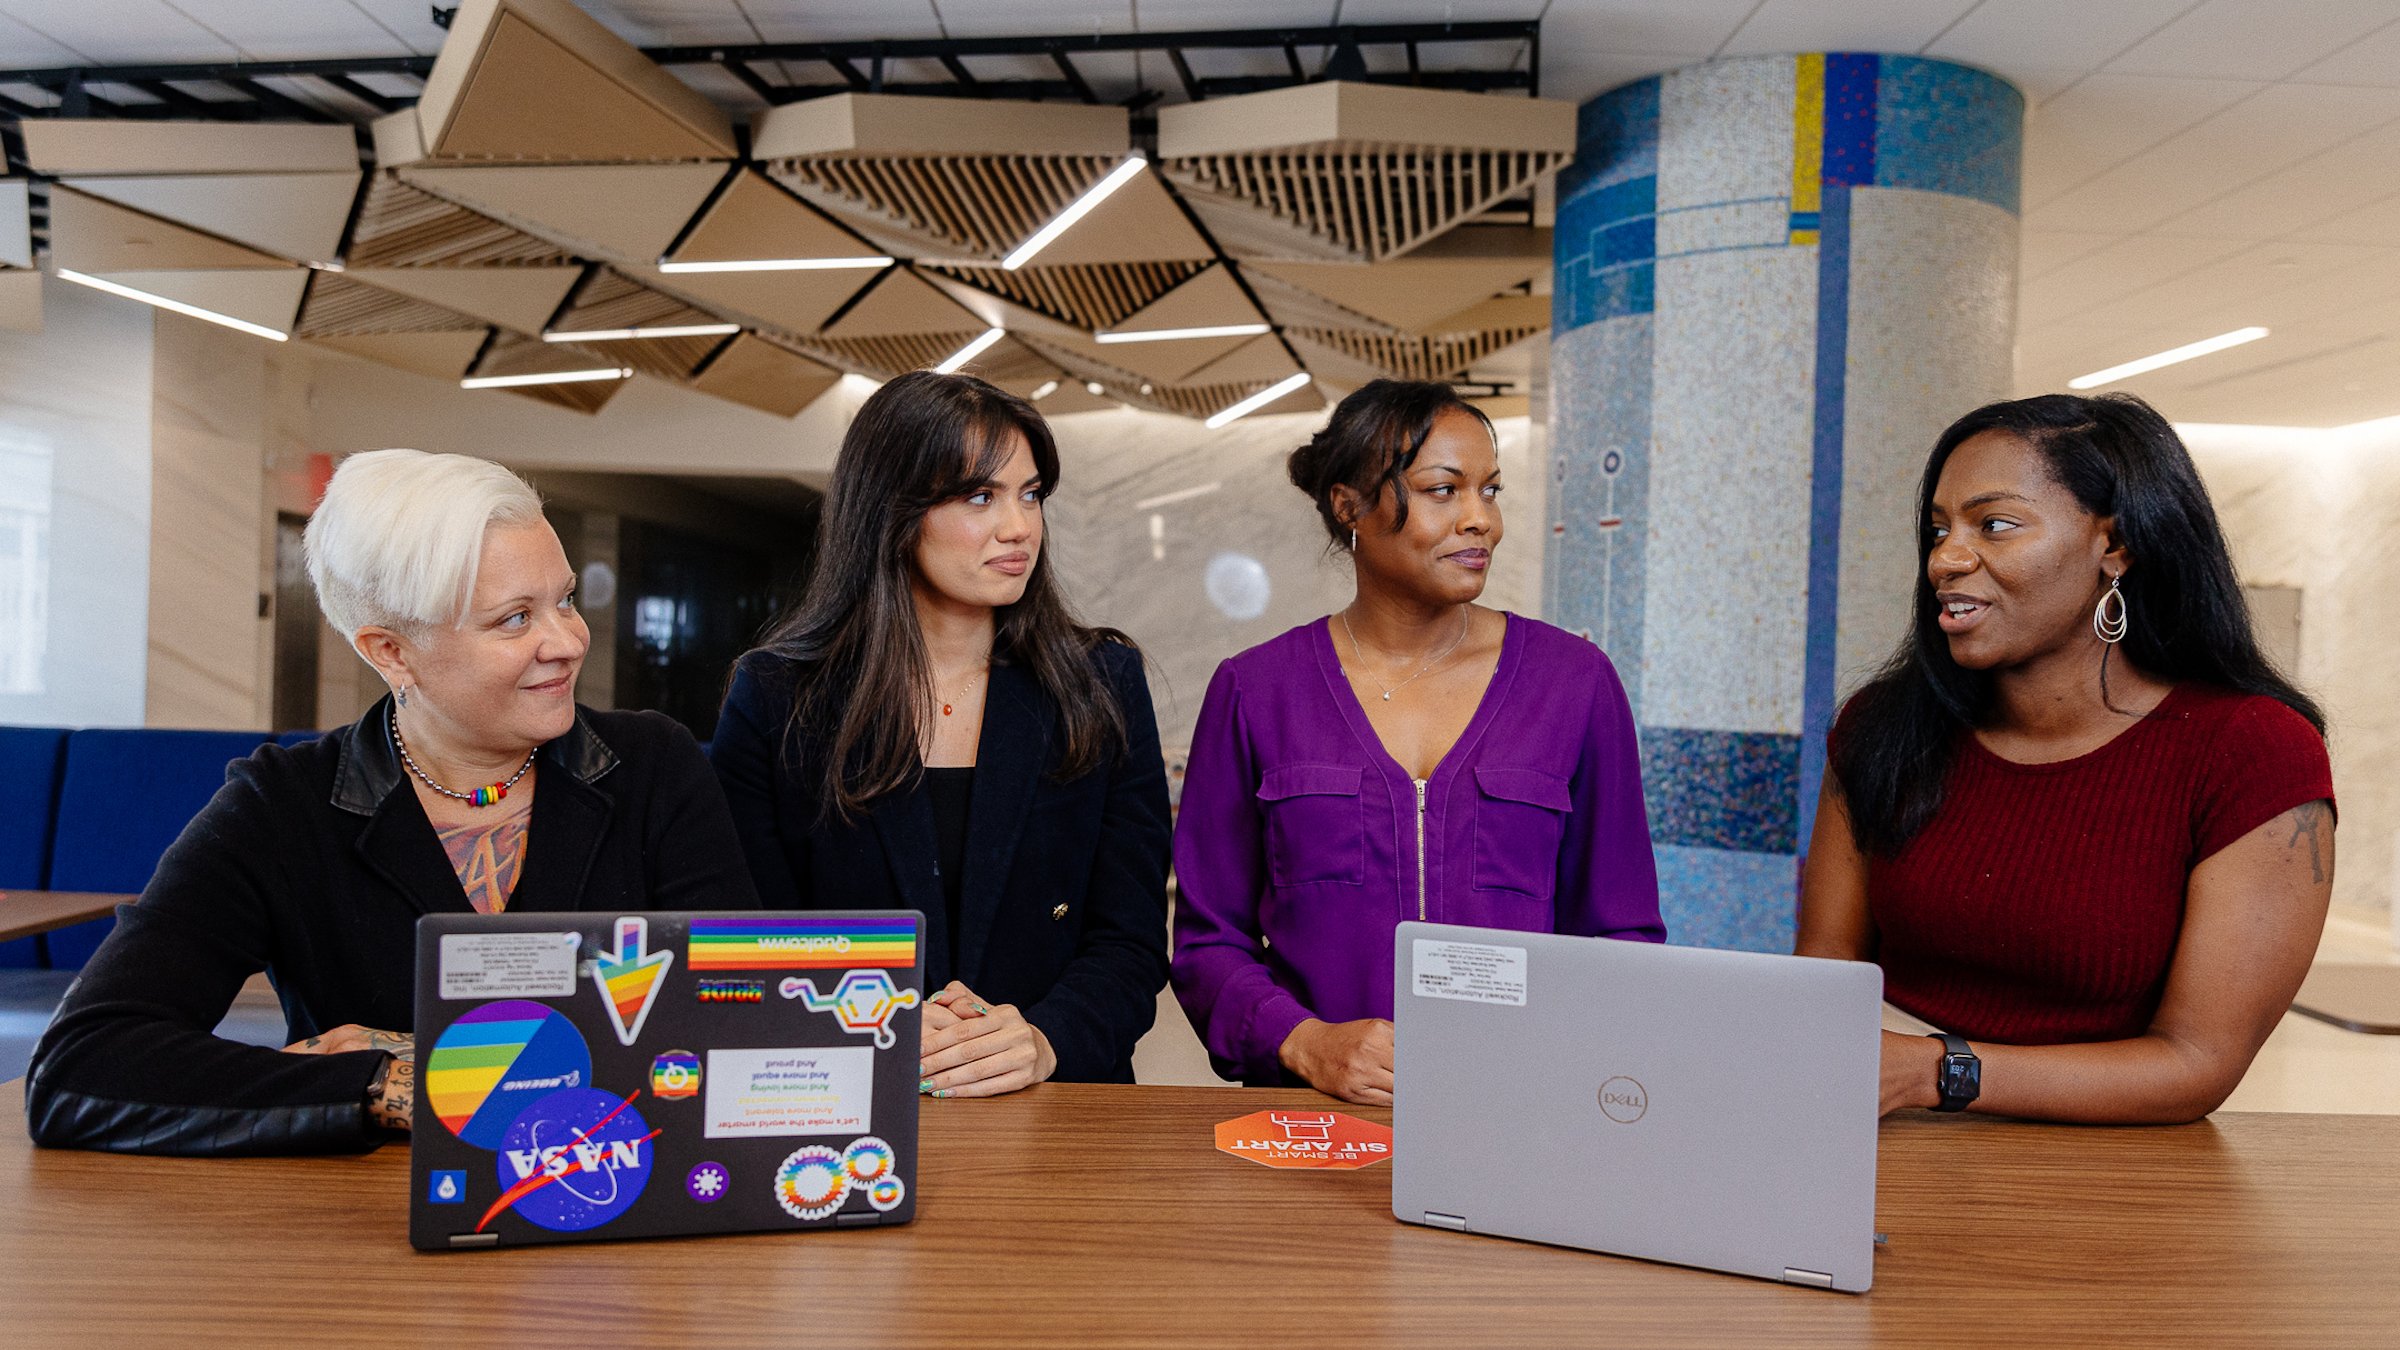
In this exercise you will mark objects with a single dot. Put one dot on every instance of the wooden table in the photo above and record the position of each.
(27, 913)
(1077, 1215)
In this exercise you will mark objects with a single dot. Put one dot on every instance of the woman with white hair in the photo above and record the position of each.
(478, 784)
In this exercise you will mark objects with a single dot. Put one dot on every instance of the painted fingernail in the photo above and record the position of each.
(924, 1085)
(943, 1093)
(981, 1009)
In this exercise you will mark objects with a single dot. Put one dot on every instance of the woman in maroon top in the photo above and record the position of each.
(2080, 820)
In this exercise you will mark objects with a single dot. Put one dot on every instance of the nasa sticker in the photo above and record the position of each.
(574, 1160)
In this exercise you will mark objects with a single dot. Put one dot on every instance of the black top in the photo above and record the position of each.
(949, 789)
(313, 864)
(1062, 905)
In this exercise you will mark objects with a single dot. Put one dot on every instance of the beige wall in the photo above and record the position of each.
(2320, 512)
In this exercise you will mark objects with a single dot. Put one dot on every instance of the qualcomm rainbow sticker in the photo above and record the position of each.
(631, 980)
(865, 1001)
(803, 944)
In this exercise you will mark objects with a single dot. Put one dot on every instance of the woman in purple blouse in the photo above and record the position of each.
(1415, 756)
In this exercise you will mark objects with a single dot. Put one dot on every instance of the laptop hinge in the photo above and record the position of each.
(1452, 1222)
(474, 1239)
(857, 1220)
(1814, 1278)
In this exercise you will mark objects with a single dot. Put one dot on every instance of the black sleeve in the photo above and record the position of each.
(1107, 997)
(694, 855)
(750, 732)
(129, 1064)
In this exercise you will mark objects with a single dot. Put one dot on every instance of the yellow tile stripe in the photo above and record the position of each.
(1808, 139)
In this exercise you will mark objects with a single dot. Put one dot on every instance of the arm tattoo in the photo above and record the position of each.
(2305, 820)
(392, 1106)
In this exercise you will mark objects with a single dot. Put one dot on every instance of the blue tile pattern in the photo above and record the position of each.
(1722, 789)
(1946, 128)
(1713, 897)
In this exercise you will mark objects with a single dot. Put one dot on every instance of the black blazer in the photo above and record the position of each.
(1063, 905)
(313, 864)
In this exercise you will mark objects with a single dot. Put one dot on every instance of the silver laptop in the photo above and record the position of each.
(1708, 1108)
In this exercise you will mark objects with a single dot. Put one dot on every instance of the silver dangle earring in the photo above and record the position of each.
(400, 695)
(1354, 541)
(2111, 626)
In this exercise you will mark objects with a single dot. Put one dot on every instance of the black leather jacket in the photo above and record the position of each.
(313, 864)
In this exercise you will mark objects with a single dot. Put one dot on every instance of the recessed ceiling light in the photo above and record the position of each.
(1076, 210)
(174, 306)
(625, 334)
(1175, 334)
(1043, 391)
(1091, 386)
(969, 352)
(775, 265)
(545, 377)
(1259, 400)
(2172, 356)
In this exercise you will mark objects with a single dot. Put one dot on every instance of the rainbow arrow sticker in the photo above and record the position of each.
(629, 982)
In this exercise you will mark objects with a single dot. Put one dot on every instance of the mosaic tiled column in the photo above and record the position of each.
(1777, 279)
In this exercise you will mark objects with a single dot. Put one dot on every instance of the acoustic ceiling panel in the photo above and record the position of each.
(1139, 222)
(1260, 360)
(754, 219)
(90, 235)
(626, 213)
(1142, 362)
(404, 226)
(759, 374)
(293, 215)
(971, 206)
(903, 303)
(672, 358)
(1210, 299)
(16, 223)
(510, 354)
(268, 299)
(444, 356)
(1089, 297)
(1446, 357)
(541, 81)
(75, 147)
(885, 356)
(794, 302)
(1409, 294)
(341, 305)
(610, 299)
(522, 298)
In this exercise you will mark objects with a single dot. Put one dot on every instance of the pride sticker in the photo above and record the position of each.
(675, 1074)
(490, 1064)
(802, 944)
(811, 1183)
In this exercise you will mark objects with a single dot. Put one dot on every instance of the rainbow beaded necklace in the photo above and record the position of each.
(482, 796)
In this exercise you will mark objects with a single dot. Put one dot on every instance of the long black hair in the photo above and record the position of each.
(862, 705)
(2119, 459)
(1369, 443)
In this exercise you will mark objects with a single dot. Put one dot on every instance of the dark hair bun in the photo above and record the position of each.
(1371, 439)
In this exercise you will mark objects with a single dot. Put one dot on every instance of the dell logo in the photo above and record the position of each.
(1623, 1100)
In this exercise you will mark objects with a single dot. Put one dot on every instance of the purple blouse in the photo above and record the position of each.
(1301, 843)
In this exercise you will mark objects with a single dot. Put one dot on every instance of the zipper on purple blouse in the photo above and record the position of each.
(1420, 847)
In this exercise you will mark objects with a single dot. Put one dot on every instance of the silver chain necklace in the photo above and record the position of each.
(482, 796)
(1360, 653)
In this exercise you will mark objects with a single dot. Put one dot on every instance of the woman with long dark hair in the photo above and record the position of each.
(931, 729)
(2079, 819)
(1413, 756)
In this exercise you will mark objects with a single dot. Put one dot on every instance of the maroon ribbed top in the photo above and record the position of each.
(2043, 902)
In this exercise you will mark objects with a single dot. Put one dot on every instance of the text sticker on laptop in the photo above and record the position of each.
(1469, 971)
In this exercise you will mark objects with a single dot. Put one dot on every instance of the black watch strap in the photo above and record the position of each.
(1960, 1076)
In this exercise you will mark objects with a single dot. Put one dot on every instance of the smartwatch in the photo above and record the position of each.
(1960, 1076)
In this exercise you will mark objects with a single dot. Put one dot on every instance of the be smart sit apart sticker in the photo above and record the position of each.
(1310, 1139)
(1468, 971)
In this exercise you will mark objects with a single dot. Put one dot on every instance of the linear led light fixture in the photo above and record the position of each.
(177, 306)
(545, 377)
(1042, 391)
(1175, 334)
(969, 352)
(1076, 210)
(1259, 400)
(623, 334)
(775, 265)
(2172, 356)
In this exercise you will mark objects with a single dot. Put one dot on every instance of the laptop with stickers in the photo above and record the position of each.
(592, 1076)
(1707, 1108)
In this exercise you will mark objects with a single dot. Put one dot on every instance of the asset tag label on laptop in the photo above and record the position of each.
(509, 965)
(1469, 971)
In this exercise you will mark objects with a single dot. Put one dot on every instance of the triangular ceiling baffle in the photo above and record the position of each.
(1410, 294)
(756, 373)
(268, 299)
(1213, 299)
(294, 215)
(1138, 222)
(754, 219)
(796, 302)
(441, 355)
(90, 235)
(1261, 360)
(902, 303)
(522, 298)
(541, 80)
(626, 213)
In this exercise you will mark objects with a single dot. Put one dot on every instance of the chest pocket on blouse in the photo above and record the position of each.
(1520, 814)
(1315, 832)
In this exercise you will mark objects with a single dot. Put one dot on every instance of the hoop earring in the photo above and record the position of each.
(2111, 627)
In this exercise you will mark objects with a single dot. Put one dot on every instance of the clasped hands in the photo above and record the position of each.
(973, 1048)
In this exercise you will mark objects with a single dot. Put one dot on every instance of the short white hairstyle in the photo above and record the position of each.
(397, 540)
